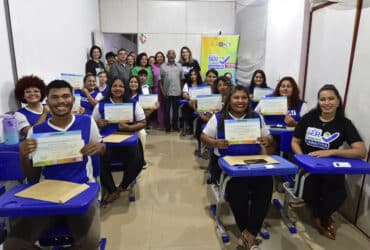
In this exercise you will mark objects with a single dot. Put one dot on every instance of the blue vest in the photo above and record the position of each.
(111, 127)
(32, 118)
(135, 98)
(279, 119)
(104, 92)
(74, 172)
(236, 149)
(85, 102)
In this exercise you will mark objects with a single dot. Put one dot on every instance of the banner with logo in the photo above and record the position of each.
(220, 53)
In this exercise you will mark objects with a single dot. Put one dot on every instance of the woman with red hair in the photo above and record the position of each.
(30, 90)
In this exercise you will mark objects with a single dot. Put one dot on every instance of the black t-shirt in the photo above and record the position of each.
(91, 67)
(318, 135)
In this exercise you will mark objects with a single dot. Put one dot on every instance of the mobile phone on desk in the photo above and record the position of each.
(255, 161)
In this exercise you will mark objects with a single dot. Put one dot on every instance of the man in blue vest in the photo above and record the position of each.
(85, 228)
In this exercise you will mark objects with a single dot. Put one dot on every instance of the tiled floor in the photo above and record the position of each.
(172, 209)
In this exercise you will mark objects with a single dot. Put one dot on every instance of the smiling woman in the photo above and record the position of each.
(321, 133)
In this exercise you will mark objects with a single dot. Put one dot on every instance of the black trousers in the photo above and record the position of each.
(171, 101)
(324, 194)
(188, 115)
(131, 159)
(249, 198)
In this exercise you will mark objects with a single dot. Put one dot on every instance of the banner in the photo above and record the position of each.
(220, 53)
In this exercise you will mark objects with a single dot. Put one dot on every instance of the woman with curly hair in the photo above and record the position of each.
(30, 90)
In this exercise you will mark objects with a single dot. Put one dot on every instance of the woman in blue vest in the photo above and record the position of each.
(90, 94)
(130, 156)
(240, 191)
(288, 87)
(30, 90)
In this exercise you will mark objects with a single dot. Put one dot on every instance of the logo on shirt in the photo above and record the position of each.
(315, 138)
(292, 112)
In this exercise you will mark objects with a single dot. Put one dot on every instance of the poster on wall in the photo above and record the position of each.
(220, 53)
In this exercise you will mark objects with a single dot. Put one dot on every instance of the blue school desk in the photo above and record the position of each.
(132, 140)
(315, 165)
(285, 134)
(13, 206)
(284, 167)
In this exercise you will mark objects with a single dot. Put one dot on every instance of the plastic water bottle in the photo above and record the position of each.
(10, 129)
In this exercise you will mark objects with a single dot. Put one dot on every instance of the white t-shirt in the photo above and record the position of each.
(211, 128)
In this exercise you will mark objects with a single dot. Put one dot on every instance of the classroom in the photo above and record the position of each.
(265, 146)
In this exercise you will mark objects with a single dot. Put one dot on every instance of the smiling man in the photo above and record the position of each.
(85, 228)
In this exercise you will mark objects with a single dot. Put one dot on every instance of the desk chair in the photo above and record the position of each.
(59, 235)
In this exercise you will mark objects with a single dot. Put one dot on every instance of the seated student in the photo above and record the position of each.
(142, 76)
(194, 80)
(229, 75)
(248, 218)
(221, 86)
(211, 76)
(258, 81)
(321, 133)
(103, 85)
(85, 228)
(288, 87)
(31, 91)
(130, 156)
(90, 95)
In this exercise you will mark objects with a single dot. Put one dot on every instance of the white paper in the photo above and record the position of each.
(77, 104)
(274, 105)
(74, 79)
(195, 91)
(258, 93)
(115, 112)
(148, 101)
(145, 89)
(244, 131)
(57, 148)
(209, 103)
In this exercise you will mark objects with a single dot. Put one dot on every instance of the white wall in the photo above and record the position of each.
(51, 37)
(284, 39)
(7, 99)
(357, 108)
(168, 24)
(331, 40)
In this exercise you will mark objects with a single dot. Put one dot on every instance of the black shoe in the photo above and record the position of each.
(168, 130)
(176, 129)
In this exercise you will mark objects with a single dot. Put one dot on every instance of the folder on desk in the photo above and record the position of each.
(249, 160)
(53, 191)
(117, 137)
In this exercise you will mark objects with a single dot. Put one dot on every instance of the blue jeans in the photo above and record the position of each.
(171, 101)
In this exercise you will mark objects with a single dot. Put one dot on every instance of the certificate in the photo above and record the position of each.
(258, 93)
(195, 91)
(77, 104)
(57, 148)
(244, 131)
(274, 105)
(115, 112)
(75, 80)
(148, 101)
(209, 103)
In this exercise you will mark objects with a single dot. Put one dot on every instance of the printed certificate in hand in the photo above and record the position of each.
(77, 104)
(274, 105)
(75, 80)
(244, 131)
(209, 103)
(57, 148)
(258, 93)
(195, 91)
(115, 112)
(148, 101)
